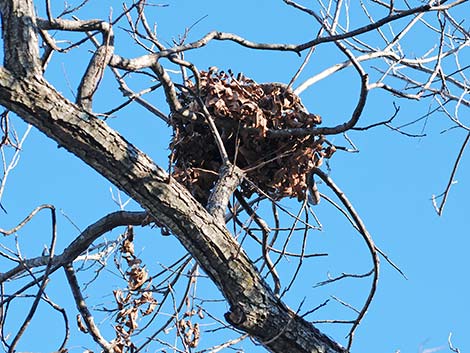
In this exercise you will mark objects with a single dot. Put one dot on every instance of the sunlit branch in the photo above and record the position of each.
(367, 239)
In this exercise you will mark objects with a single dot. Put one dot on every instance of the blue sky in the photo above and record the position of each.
(390, 182)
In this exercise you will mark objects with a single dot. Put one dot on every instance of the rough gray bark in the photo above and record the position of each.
(21, 50)
(253, 306)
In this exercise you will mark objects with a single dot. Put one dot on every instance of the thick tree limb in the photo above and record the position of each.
(254, 308)
(19, 36)
(230, 178)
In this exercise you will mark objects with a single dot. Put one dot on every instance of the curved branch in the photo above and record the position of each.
(43, 285)
(25, 220)
(62, 311)
(83, 309)
(368, 240)
(79, 244)
(149, 59)
(334, 130)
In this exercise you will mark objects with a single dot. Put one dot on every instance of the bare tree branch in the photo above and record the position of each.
(44, 282)
(440, 209)
(83, 309)
(109, 153)
(367, 239)
(78, 245)
(230, 159)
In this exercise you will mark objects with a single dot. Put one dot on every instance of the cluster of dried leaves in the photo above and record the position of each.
(137, 300)
(190, 332)
(247, 116)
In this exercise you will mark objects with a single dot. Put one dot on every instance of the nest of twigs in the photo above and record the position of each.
(253, 121)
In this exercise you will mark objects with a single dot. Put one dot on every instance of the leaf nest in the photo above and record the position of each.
(254, 122)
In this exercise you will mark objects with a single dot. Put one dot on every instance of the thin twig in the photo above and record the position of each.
(76, 247)
(44, 282)
(83, 309)
(368, 240)
(342, 276)
(347, 305)
(451, 346)
(316, 308)
(265, 230)
(302, 252)
(451, 178)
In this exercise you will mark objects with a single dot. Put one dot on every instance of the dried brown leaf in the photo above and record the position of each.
(137, 277)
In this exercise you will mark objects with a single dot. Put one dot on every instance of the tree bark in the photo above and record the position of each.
(253, 306)
(20, 42)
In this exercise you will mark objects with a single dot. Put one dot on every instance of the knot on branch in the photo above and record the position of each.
(235, 316)
(253, 121)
